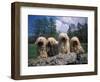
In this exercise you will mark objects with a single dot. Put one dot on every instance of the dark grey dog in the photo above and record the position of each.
(52, 50)
(52, 47)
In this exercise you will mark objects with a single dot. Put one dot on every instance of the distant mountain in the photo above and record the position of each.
(73, 27)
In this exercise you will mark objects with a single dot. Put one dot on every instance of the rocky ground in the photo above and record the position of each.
(60, 59)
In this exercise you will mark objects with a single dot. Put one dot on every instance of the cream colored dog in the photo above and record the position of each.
(41, 43)
(76, 45)
(64, 46)
(52, 47)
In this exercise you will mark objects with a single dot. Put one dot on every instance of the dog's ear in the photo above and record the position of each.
(36, 41)
(82, 50)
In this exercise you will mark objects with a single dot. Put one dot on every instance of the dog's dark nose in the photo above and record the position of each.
(40, 43)
(63, 39)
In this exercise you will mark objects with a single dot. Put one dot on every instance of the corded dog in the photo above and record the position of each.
(64, 45)
(52, 47)
(41, 43)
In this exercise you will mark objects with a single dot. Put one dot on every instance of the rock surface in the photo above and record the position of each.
(61, 59)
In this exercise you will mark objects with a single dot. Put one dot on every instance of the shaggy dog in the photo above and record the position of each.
(77, 48)
(41, 43)
(64, 46)
(76, 45)
(52, 47)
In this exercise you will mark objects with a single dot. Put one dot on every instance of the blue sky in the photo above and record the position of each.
(62, 22)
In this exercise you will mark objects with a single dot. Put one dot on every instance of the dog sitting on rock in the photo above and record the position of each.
(76, 45)
(77, 48)
(64, 46)
(41, 43)
(52, 47)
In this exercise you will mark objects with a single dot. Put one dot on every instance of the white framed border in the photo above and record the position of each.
(25, 70)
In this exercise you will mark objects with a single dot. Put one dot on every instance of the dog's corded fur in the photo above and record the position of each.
(76, 45)
(52, 47)
(64, 46)
(41, 43)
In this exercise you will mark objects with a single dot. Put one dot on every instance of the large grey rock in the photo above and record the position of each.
(60, 59)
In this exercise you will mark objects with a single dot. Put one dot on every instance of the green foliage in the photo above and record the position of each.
(32, 51)
(45, 27)
(85, 47)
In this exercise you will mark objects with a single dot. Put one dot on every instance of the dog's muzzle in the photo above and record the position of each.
(63, 39)
(75, 43)
(40, 43)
